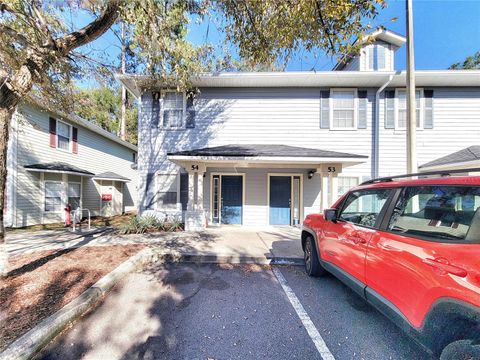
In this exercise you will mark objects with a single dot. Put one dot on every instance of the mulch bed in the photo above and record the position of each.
(41, 283)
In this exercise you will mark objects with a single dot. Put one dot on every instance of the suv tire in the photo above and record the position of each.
(461, 350)
(312, 264)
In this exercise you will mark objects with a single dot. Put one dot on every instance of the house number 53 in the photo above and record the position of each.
(331, 169)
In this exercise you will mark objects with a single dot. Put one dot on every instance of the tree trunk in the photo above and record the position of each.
(12, 90)
(5, 117)
(123, 118)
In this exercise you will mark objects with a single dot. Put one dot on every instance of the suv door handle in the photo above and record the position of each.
(357, 238)
(445, 267)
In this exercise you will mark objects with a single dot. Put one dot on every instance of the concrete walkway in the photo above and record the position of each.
(239, 244)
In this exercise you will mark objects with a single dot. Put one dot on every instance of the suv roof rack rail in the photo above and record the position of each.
(438, 172)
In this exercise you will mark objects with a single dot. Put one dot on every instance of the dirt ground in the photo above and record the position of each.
(39, 284)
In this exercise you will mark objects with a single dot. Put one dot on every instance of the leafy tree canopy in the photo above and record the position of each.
(470, 63)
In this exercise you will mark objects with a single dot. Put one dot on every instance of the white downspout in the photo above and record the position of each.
(376, 130)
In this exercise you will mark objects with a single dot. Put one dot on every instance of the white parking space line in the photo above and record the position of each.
(304, 318)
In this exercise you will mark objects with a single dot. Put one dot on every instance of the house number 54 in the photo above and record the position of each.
(194, 167)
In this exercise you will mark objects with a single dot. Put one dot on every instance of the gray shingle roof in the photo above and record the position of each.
(253, 150)
(58, 167)
(111, 175)
(471, 153)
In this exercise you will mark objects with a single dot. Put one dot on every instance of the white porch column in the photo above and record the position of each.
(325, 179)
(200, 191)
(191, 191)
(334, 188)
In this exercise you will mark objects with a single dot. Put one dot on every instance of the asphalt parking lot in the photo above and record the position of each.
(232, 312)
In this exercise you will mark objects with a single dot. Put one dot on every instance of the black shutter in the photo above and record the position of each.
(390, 109)
(184, 190)
(428, 114)
(324, 109)
(362, 109)
(155, 120)
(190, 115)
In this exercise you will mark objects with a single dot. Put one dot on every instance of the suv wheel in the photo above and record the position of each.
(312, 265)
(461, 350)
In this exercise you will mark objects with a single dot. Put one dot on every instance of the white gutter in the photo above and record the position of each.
(376, 130)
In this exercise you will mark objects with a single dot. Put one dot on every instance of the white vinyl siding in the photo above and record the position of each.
(173, 110)
(96, 154)
(343, 109)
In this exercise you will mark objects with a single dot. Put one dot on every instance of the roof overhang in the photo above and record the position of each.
(263, 161)
(38, 168)
(466, 165)
(137, 84)
(111, 179)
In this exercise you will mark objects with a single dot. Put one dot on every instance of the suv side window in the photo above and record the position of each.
(439, 213)
(362, 207)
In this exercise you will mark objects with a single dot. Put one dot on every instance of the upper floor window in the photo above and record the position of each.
(63, 136)
(402, 108)
(343, 109)
(395, 111)
(173, 110)
(376, 57)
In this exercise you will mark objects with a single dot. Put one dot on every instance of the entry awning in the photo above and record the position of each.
(265, 153)
(111, 176)
(58, 167)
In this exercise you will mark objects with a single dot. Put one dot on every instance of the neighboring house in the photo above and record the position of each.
(55, 159)
(270, 148)
(467, 159)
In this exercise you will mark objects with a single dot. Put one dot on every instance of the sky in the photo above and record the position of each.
(445, 32)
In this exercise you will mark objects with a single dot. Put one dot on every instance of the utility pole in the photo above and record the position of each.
(411, 101)
(124, 90)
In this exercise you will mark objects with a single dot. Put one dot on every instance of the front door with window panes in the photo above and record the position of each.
(73, 193)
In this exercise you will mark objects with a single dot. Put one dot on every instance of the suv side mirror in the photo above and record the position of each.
(331, 214)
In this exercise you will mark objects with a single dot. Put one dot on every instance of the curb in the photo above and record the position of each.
(29, 344)
(26, 346)
(174, 256)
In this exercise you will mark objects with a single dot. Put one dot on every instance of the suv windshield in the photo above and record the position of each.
(438, 212)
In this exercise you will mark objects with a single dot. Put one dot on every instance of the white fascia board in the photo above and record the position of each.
(445, 78)
(266, 159)
(111, 179)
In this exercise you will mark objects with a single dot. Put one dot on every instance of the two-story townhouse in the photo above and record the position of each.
(271, 147)
(56, 159)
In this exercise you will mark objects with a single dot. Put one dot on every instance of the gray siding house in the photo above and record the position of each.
(269, 148)
(55, 159)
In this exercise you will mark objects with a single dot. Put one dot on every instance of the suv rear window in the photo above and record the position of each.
(438, 213)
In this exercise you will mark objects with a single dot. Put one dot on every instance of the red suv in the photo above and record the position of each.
(411, 248)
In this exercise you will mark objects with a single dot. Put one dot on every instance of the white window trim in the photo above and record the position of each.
(355, 109)
(162, 109)
(397, 109)
(70, 134)
(62, 196)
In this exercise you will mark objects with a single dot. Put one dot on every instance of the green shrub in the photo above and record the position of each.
(149, 223)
